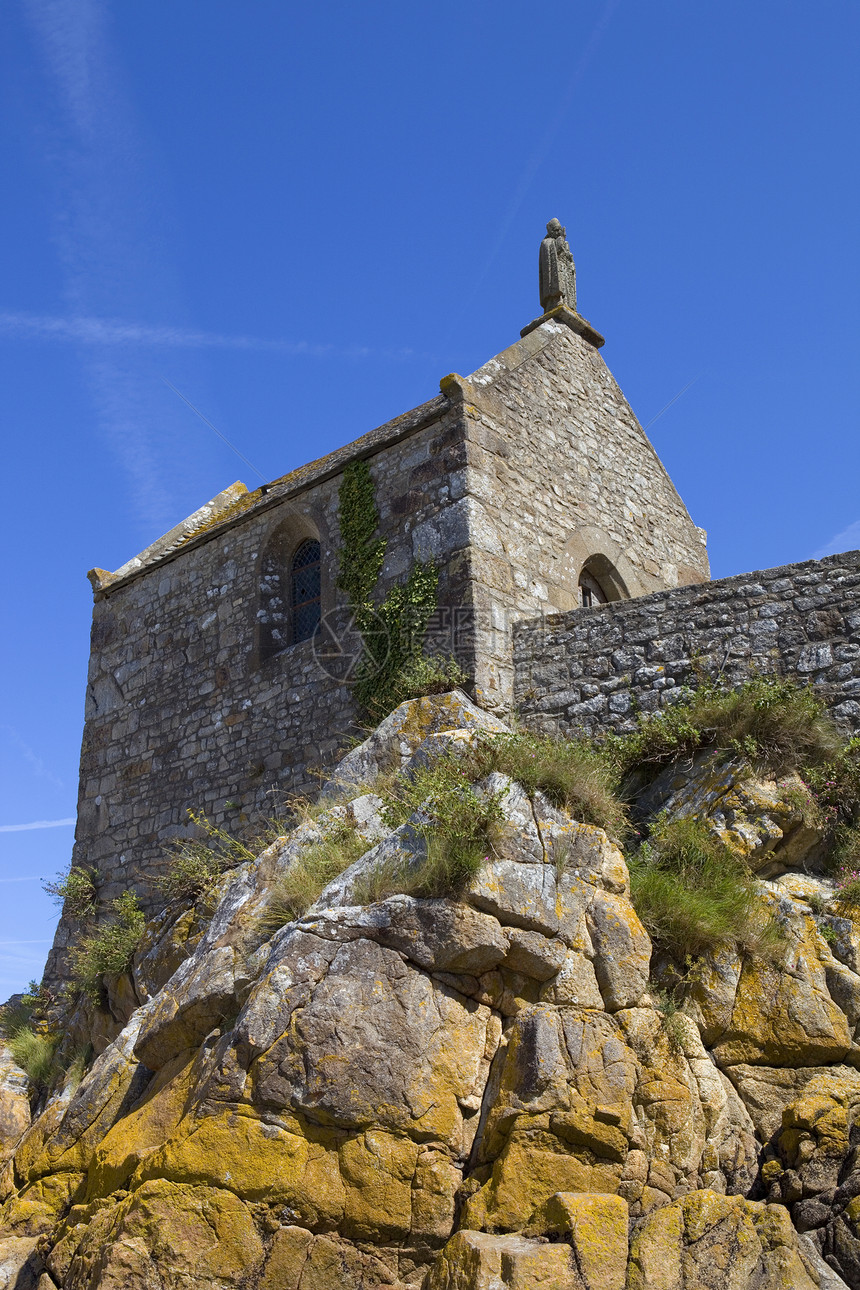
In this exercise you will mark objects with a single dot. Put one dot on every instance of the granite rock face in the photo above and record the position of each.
(481, 1093)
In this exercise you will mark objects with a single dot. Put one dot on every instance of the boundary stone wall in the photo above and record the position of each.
(592, 670)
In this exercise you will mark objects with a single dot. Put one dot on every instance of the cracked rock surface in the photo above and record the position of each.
(469, 1094)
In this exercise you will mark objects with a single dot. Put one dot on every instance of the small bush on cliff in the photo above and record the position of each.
(108, 951)
(835, 788)
(23, 1009)
(35, 1052)
(693, 895)
(421, 675)
(848, 891)
(574, 775)
(28, 1037)
(75, 890)
(772, 721)
(312, 870)
(196, 864)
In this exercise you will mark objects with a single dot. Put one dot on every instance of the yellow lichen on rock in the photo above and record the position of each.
(36, 1208)
(782, 1012)
(145, 1129)
(321, 1109)
(172, 1235)
(709, 1240)
(595, 1226)
(234, 1152)
(533, 1166)
(377, 1171)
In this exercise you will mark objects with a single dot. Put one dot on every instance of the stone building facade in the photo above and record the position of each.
(530, 484)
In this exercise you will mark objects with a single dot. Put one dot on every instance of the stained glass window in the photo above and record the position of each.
(305, 590)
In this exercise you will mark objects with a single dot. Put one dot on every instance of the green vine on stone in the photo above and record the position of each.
(362, 552)
(392, 630)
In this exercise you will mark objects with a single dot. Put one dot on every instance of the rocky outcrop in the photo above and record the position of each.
(456, 1094)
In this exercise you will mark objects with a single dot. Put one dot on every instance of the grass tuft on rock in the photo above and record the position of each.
(109, 950)
(75, 890)
(454, 817)
(694, 897)
(28, 1036)
(35, 1052)
(575, 775)
(772, 721)
(195, 865)
(316, 865)
(425, 674)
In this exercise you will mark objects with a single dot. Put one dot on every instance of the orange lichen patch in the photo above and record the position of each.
(230, 513)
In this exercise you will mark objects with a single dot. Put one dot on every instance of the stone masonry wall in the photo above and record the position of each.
(181, 714)
(559, 471)
(592, 669)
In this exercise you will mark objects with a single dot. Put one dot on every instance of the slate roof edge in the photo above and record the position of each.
(279, 490)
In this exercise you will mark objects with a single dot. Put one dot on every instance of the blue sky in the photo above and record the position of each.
(303, 216)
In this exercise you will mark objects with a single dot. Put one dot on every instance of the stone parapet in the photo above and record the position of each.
(592, 670)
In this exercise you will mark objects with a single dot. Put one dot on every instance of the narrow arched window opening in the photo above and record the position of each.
(600, 583)
(288, 609)
(305, 590)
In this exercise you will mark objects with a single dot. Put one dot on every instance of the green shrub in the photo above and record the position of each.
(848, 892)
(835, 787)
(109, 950)
(670, 1015)
(34, 1051)
(574, 775)
(77, 1067)
(22, 1010)
(771, 721)
(316, 865)
(421, 675)
(694, 897)
(196, 864)
(817, 903)
(75, 890)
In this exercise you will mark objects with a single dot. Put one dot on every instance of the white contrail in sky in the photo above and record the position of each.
(85, 330)
(104, 204)
(36, 824)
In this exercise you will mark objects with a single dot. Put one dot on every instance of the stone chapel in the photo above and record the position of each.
(530, 484)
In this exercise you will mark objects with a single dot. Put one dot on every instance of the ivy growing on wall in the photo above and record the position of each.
(392, 629)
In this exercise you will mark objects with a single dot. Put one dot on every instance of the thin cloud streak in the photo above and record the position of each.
(36, 824)
(115, 331)
(102, 230)
(847, 540)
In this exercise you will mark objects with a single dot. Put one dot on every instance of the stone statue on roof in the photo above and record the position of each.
(557, 270)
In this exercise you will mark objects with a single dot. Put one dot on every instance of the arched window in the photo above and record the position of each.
(288, 610)
(600, 582)
(305, 590)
